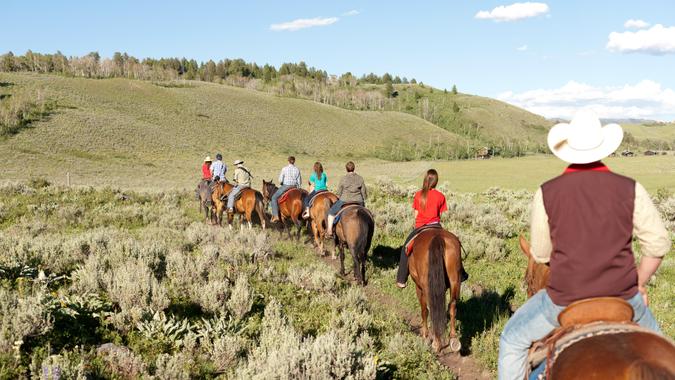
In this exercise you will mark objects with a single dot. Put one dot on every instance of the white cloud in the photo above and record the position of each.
(303, 23)
(353, 12)
(514, 12)
(635, 24)
(657, 40)
(522, 48)
(646, 99)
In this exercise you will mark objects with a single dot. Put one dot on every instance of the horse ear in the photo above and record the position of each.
(525, 247)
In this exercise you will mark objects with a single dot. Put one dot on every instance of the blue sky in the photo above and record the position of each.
(551, 57)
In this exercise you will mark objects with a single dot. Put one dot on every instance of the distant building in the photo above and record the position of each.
(651, 153)
(627, 153)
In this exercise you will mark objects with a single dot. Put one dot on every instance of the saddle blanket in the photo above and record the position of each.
(284, 197)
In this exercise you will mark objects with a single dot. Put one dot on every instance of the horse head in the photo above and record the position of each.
(268, 189)
(536, 275)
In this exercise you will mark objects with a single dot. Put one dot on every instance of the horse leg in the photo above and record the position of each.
(455, 344)
(425, 312)
(249, 215)
(341, 252)
(357, 265)
(317, 241)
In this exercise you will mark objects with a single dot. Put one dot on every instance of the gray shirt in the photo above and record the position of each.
(352, 188)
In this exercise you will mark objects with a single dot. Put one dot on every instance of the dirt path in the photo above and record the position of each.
(465, 367)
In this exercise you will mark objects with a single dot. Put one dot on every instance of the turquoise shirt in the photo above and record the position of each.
(319, 184)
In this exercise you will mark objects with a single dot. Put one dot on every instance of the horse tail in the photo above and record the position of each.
(363, 239)
(260, 209)
(437, 287)
(643, 370)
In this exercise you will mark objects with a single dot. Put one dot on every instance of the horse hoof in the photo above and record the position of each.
(455, 345)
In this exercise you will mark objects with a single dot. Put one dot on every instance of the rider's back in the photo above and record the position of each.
(591, 224)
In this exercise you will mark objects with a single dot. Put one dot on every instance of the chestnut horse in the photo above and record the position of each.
(354, 230)
(291, 209)
(318, 214)
(435, 265)
(250, 200)
(628, 355)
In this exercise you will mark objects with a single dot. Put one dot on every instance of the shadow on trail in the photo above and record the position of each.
(480, 313)
(385, 257)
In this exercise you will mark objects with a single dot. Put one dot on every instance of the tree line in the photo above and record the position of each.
(123, 65)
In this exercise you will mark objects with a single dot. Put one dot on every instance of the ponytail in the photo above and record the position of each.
(430, 182)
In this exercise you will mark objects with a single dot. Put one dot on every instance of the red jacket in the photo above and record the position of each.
(206, 171)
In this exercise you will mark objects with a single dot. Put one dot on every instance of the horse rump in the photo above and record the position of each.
(437, 288)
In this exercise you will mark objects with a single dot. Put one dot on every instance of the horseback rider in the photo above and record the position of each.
(242, 180)
(317, 182)
(289, 178)
(206, 169)
(352, 189)
(582, 226)
(218, 169)
(428, 204)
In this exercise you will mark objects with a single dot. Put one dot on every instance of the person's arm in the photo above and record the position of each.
(540, 234)
(340, 187)
(299, 179)
(281, 177)
(364, 191)
(649, 230)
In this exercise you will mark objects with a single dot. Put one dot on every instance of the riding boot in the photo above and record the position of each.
(402, 274)
(329, 226)
(305, 214)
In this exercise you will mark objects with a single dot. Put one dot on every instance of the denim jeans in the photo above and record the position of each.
(233, 195)
(275, 198)
(534, 320)
(305, 202)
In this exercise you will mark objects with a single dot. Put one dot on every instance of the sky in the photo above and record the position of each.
(550, 57)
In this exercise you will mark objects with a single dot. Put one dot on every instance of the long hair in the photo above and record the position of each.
(430, 182)
(318, 169)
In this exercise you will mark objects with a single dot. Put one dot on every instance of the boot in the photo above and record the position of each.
(305, 214)
(329, 226)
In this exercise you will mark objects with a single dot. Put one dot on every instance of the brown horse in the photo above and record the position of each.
(205, 203)
(355, 231)
(435, 265)
(628, 355)
(291, 209)
(318, 214)
(250, 201)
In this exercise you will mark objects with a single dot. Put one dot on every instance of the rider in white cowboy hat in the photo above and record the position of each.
(582, 226)
(242, 180)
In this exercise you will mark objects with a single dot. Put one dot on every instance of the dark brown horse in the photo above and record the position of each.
(250, 201)
(318, 214)
(628, 355)
(290, 209)
(435, 265)
(355, 231)
(205, 203)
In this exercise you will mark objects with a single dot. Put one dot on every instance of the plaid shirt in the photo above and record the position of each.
(290, 176)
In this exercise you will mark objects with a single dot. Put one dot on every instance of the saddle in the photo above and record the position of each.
(347, 206)
(311, 200)
(410, 242)
(579, 320)
(284, 197)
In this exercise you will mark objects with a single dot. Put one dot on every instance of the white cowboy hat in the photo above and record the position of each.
(208, 158)
(584, 140)
(238, 162)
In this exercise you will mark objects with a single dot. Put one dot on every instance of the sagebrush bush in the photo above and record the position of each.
(22, 316)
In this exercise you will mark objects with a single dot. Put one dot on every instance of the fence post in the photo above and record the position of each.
(68, 179)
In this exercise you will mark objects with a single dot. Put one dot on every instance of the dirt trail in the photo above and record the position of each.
(465, 367)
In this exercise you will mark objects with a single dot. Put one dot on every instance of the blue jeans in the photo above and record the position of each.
(534, 320)
(233, 195)
(275, 198)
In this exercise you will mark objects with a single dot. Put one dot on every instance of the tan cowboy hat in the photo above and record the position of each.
(238, 162)
(584, 139)
(208, 159)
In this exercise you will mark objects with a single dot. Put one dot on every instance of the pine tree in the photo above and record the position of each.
(454, 89)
